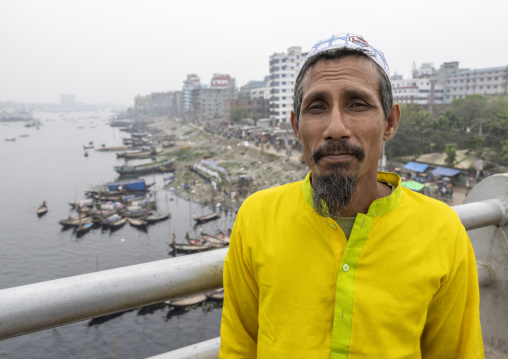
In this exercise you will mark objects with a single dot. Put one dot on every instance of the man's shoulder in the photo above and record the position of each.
(290, 191)
(426, 205)
(281, 190)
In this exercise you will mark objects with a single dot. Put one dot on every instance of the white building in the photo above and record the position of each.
(421, 91)
(283, 67)
(189, 84)
(260, 93)
(486, 82)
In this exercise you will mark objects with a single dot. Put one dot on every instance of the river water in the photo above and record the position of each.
(49, 165)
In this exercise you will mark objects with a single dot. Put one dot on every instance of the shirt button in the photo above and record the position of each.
(333, 226)
(345, 267)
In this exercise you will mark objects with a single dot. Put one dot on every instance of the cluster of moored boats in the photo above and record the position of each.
(205, 243)
(113, 206)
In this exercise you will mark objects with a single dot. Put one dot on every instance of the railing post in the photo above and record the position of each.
(490, 243)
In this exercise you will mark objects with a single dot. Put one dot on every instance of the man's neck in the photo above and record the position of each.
(366, 193)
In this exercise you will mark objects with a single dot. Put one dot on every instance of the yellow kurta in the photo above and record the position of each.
(404, 285)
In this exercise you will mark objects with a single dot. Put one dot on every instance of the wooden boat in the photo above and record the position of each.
(99, 215)
(107, 221)
(224, 237)
(109, 207)
(135, 213)
(217, 294)
(75, 221)
(113, 148)
(213, 240)
(140, 204)
(81, 203)
(151, 167)
(128, 185)
(208, 217)
(119, 223)
(193, 241)
(189, 248)
(136, 222)
(139, 154)
(99, 196)
(186, 301)
(83, 228)
(42, 210)
(159, 218)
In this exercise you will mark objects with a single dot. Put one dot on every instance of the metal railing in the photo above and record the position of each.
(44, 305)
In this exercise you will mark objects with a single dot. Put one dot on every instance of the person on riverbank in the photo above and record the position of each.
(347, 263)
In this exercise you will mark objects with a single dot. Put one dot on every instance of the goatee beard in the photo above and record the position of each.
(335, 189)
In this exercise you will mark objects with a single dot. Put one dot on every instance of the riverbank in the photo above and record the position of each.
(249, 168)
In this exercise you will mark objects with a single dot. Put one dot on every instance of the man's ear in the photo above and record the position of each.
(294, 125)
(392, 122)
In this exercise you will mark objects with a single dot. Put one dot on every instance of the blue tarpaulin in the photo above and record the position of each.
(129, 185)
(445, 172)
(415, 166)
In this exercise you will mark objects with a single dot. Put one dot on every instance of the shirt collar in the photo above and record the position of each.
(379, 206)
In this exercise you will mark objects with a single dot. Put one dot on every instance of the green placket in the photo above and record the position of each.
(344, 287)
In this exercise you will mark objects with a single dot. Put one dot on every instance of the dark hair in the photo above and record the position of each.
(385, 87)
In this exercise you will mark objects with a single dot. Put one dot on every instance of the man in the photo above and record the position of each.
(348, 263)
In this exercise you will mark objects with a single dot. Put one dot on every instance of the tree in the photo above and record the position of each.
(238, 114)
(451, 154)
(475, 123)
(411, 137)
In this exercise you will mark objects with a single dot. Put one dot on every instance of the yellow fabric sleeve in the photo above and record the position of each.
(239, 329)
(452, 328)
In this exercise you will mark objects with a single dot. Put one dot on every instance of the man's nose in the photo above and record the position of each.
(337, 126)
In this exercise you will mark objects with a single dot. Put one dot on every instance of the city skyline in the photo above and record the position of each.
(110, 52)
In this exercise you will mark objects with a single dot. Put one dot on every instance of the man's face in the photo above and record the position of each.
(342, 123)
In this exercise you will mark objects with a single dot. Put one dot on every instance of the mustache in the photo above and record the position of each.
(343, 147)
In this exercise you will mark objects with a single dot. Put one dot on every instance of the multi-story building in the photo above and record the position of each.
(254, 109)
(256, 89)
(429, 86)
(486, 82)
(192, 82)
(446, 69)
(160, 103)
(260, 93)
(207, 102)
(283, 68)
(425, 71)
(422, 91)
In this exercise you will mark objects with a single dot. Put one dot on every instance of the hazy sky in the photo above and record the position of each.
(112, 50)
